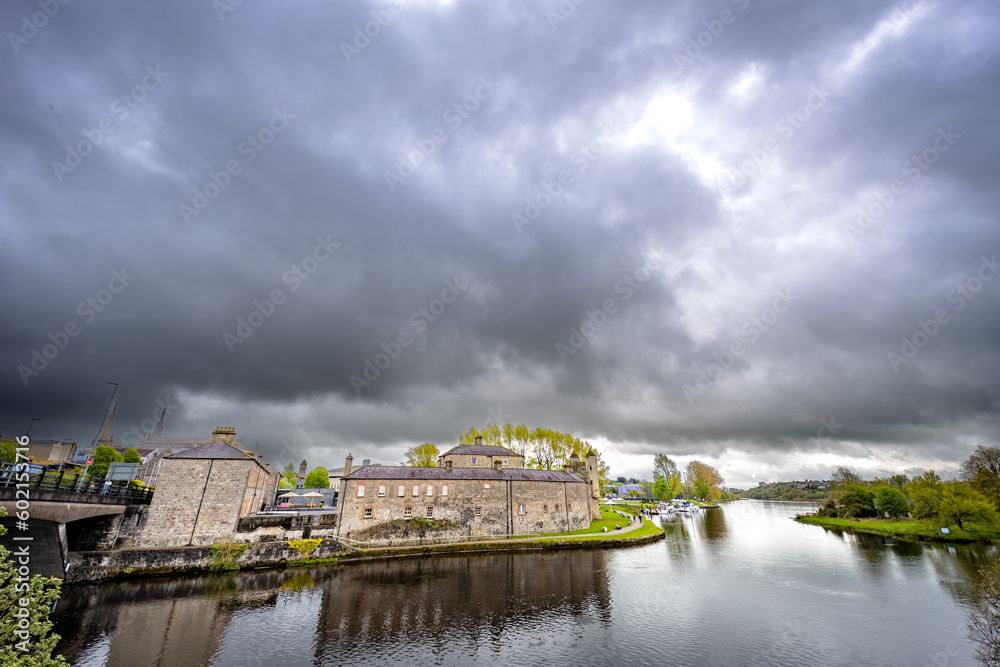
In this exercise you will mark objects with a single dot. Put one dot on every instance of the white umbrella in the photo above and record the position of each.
(290, 494)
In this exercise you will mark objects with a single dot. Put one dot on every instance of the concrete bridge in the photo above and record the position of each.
(53, 503)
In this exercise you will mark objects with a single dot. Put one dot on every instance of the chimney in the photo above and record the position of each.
(260, 458)
(498, 465)
(447, 465)
(479, 440)
(366, 462)
(347, 465)
(226, 434)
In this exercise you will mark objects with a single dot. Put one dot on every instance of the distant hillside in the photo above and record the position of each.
(807, 490)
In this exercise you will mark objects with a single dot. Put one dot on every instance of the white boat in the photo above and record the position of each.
(663, 508)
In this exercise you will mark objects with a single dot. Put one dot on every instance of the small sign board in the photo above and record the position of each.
(90, 462)
(122, 471)
(945, 531)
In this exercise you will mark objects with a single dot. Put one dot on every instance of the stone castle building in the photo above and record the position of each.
(483, 490)
(201, 493)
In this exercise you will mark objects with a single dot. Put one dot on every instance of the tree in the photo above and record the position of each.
(984, 619)
(891, 500)
(712, 478)
(856, 501)
(40, 594)
(422, 456)
(961, 503)
(8, 451)
(103, 458)
(925, 492)
(663, 466)
(701, 489)
(844, 476)
(318, 478)
(289, 477)
(982, 471)
(131, 455)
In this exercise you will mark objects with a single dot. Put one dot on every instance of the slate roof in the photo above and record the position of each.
(486, 474)
(480, 450)
(213, 450)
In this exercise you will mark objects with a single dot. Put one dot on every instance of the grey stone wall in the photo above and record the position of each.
(548, 507)
(465, 461)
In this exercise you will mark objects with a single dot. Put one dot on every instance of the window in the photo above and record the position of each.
(416, 490)
(474, 460)
(531, 486)
(545, 508)
(368, 512)
(407, 512)
(506, 462)
(557, 507)
(569, 507)
(486, 485)
(430, 489)
(520, 509)
(444, 489)
(361, 490)
(401, 490)
(381, 490)
(430, 511)
(479, 511)
(558, 487)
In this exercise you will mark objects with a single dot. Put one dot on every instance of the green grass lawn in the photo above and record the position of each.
(609, 519)
(912, 529)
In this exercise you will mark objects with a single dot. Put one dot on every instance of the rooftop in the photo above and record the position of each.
(480, 450)
(213, 450)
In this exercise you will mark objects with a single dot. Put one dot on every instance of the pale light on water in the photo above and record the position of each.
(743, 585)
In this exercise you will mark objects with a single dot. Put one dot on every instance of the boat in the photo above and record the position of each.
(663, 508)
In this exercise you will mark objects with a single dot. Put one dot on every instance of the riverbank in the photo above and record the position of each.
(125, 564)
(924, 531)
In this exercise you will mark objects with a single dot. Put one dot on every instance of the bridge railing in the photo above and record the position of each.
(34, 477)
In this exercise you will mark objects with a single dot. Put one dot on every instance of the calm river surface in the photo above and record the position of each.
(744, 585)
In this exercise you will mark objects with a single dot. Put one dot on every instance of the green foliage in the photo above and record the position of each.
(701, 490)
(103, 458)
(130, 455)
(422, 456)
(844, 476)
(319, 478)
(697, 471)
(41, 594)
(892, 501)
(304, 547)
(961, 503)
(982, 471)
(925, 491)
(856, 501)
(663, 466)
(8, 451)
(432, 524)
(225, 552)
(984, 619)
(543, 448)
(283, 483)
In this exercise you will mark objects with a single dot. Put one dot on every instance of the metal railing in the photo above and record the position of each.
(31, 477)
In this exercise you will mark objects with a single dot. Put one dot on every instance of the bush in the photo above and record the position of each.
(319, 478)
(892, 501)
(225, 552)
(304, 547)
(857, 502)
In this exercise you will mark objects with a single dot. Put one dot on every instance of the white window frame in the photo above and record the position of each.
(416, 490)
(520, 509)
(381, 490)
(506, 462)
(368, 513)
(407, 511)
(474, 460)
(430, 490)
(486, 485)
(361, 490)
(479, 510)
(430, 511)
(444, 489)
(531, 486)
(401, 491)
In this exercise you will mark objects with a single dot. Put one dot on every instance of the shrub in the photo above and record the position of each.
(304, 547)
(856, 501)
(225, 552)
(892, 501)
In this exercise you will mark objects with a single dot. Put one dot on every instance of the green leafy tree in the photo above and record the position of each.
(422, 456)
(701, 489)
(103, 458)
(961, 503)
(318, 478)
(131, 455)
(891, 500)
(982, 471)
(856, 501)
(984, 619)
(35, 648)
(289, 477)
(663, 466)
(925, 491)
(710, 476)
(8, 451)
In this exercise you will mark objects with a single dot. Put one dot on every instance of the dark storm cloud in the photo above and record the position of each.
(276, 149)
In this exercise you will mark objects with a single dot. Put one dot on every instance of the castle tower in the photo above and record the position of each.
(594, 475)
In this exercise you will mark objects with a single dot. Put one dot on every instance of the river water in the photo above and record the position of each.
(741, 585)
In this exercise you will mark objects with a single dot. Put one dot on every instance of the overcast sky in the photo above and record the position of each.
(698, 228)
